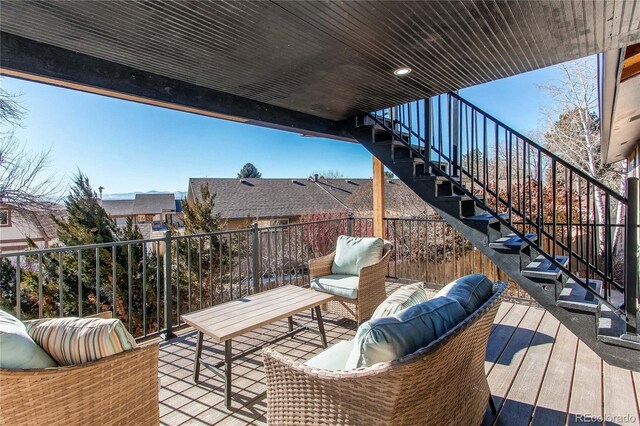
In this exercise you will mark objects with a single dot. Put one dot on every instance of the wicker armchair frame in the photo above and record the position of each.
(443, 383)
(117, 390)
(371, 287)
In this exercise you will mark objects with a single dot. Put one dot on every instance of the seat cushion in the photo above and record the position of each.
(470, 291)
(338, 285)
(353, 254)
(388, 338)
(72, 341)
(17, 349)
(404, 297)
(335, 357)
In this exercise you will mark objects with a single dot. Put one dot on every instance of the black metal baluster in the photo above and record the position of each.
(130, 285)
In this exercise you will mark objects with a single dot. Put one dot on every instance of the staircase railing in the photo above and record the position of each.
(555, 207)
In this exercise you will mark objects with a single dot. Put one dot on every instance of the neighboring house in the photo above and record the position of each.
(155, 210)
(265, 201)
(17, 229)
(281, 201)
(119, 210)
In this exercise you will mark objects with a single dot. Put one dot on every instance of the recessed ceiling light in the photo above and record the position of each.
(401, 71)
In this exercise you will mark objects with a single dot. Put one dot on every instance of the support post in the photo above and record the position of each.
(428, 122)
(168, 295)
(255, 253)
(455, 127)
(378, 198)
(350, 225)
(631, 258)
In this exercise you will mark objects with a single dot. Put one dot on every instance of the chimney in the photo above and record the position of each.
(315, 177)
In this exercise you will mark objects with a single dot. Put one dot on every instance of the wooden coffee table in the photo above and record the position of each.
(223, 322)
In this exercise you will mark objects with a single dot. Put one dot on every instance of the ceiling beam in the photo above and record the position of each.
(30, 60)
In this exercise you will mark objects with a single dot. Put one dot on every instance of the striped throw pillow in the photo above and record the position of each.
(71, 341)
(404, 297)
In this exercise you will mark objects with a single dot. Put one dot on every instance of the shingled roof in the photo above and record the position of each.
(357, 195)
(239, 198)
(154, 203)
(118, 207)
(142, 204)
(259, 197)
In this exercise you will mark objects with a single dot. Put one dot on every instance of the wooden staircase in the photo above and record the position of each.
(445, 156)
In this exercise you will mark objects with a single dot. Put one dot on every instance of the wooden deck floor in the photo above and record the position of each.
(539, 373)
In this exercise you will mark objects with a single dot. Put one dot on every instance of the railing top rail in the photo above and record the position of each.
(266, 228)
(63, 249)
(415, 219)
(209, 234)
(78, 247)
(563, 162)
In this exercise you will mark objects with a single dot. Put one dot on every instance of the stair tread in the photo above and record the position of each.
(437, 178)
(511, 242)
(612, 329)
(453, 197)
(575, 296)
(542, 267)
(487, 217)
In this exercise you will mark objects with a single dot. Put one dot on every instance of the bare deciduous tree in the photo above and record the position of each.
(329, 174)
(11, 112)
(573, 132)
(23, 183)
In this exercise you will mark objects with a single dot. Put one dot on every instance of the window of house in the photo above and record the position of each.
(273, 222)
(278, 222)
(5, 217)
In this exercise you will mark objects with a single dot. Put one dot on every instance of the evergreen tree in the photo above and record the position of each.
(249, 171)
(200, 258)
(7, 285)
(87, 222)
(198, 214)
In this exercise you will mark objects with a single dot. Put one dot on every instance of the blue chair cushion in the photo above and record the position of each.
(338, 285)
(388, 338)
(353, 254)
(470, 291)
(335, 357)
(17, 348)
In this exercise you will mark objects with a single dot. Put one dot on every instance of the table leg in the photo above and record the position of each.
(290, 323)
(227, 373)
(196, 361)
(323, 336)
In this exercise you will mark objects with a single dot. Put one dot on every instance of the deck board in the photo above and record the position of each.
(586, 390)
(553, 399)
(521, 399)
(502, 333)
(506, 368)
(619, 396)
(537, 369)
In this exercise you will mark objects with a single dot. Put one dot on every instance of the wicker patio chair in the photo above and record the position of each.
(443, 383)
(371, 286)
(116, 390)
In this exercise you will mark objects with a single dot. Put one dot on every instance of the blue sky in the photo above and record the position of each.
(130, 147)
